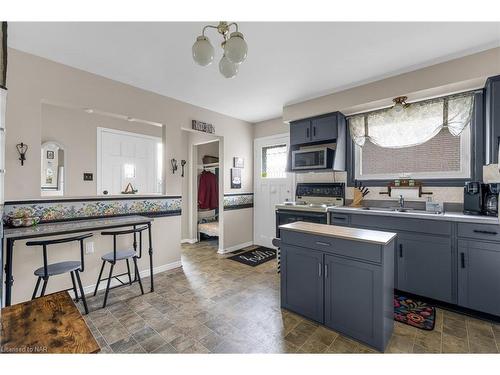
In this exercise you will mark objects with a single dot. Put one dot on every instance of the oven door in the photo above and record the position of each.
(289, 216)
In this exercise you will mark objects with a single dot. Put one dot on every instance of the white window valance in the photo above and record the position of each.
(416, 124)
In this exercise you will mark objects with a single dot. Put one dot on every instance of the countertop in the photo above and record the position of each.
(446, 216)
(74, 226)
(345, 233)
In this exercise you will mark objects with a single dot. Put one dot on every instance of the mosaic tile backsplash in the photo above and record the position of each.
(67, 210)
(233, 201)
(61, 210)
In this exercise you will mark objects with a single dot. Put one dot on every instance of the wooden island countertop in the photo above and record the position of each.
(345, 233)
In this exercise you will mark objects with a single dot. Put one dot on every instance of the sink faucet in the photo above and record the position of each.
(401, 202)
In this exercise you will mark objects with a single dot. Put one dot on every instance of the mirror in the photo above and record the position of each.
(52, 177)
(104, 154)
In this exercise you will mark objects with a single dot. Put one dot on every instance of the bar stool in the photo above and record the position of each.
(74, 267)
(116, 255)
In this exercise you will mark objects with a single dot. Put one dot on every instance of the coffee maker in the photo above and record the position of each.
(473, 198)
(490, 199)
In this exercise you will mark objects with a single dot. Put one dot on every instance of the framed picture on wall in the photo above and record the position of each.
(238, 162)
(235, 178)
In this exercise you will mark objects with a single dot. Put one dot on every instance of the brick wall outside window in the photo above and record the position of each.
(439, 154)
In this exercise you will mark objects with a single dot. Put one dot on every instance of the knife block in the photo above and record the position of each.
(358, 198)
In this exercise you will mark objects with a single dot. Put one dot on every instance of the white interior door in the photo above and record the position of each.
(127, 158)
(272, 184)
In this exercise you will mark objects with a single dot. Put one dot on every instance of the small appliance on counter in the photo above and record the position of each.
(490, 199)
(312, 203)
(473, 198)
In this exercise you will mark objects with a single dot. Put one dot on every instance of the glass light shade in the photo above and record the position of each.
(227, 68)
(236, 48)
(203, 51)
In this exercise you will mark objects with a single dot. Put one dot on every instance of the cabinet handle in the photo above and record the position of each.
(314, 131)
(322, 243)
(320, 266)
(339, 218)
(400, 250)
(485, 232)
(307, 132)
(326, 271)
(462, 260)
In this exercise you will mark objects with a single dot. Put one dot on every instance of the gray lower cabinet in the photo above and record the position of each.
(479, 276)
(302, 281)
(344, 284)
(425, 265)
(354, 310)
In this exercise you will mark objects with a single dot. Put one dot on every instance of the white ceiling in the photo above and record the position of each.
(287, 62)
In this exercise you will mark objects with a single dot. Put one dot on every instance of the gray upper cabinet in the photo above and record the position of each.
(302, 281)
(300, 132)
(324, 128)
(425, 265)
(316, 129)
(492, 119)
(479, 276)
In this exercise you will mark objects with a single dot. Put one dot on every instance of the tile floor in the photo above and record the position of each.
(216, 305)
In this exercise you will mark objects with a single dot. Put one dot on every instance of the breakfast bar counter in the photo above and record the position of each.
(66, 227)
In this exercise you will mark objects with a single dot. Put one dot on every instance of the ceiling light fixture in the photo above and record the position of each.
(399, 103)
(235, 49)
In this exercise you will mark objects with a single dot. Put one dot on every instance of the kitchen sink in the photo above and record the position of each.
(399, 209)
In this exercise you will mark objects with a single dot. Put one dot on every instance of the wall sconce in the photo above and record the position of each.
(183, 163)
(21, 149)
(173, 163)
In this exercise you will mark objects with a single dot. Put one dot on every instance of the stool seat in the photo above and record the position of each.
(120, 254)
(59, 268)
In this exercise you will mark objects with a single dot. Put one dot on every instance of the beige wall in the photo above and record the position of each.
(76, 130)
(238, 228)
(461, 74)
(270, 127)
(34, 81)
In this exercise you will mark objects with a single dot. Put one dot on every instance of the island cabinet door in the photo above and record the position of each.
(302, 281)
(353, 299)
(425, 265)
(479, 276)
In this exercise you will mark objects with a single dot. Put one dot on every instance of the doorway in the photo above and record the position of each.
(207, 192)
(272, 184)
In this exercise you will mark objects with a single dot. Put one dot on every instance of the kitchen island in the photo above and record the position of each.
(340, 277)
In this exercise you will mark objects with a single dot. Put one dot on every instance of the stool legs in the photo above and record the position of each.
(99, 278)
(137, 274)
(74, 285)
(36, 287)
(107, 286)
(128, 271)
(44, 286)
(82, 293)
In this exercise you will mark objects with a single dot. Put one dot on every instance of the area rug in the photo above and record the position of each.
(255, 257)
(414, 313)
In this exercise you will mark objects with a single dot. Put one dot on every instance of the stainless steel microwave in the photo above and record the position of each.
(312, 158)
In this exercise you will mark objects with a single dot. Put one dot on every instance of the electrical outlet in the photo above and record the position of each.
(89, 247)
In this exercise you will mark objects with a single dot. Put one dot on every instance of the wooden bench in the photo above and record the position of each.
(49, 324)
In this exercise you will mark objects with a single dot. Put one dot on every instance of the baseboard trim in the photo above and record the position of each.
(145, 273)
(235, 247)
(189, 240)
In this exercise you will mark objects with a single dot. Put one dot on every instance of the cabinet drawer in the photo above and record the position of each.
(394, 224)
(352, 249)
(339, 219)
(489, 232)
